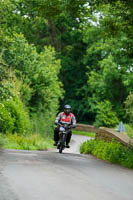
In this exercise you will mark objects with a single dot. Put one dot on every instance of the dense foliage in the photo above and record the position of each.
(80, 50)
(113, 152)
(30, 89)
(105, 116)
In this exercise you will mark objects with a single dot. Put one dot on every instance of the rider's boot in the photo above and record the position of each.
(55, 143)
(67, 145)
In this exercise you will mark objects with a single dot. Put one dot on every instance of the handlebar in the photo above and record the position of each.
(65, 125)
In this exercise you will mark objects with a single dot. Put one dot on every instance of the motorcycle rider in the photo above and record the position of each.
(68, 118)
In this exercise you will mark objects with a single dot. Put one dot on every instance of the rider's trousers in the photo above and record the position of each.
(56, 135)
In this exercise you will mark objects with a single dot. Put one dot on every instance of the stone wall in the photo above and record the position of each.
(106, 134)
(87, 128)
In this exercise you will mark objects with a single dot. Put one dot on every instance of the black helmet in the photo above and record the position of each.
(67, 109)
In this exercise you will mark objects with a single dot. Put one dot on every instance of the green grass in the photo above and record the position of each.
(32, 142)
(2, 141)
(90, 134)
(129, 130)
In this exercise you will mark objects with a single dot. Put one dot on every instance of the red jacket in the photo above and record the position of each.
(66, 119)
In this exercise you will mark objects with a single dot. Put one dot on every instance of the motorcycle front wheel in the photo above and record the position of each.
(61, 148)
(62, 144)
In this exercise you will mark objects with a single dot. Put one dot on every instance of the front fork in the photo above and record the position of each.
(62, 140)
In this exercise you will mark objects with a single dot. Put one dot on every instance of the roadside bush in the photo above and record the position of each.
(105, 116)
(127, 157)
(87, 147)
(112, 151)
(21, 121)
(6, 120)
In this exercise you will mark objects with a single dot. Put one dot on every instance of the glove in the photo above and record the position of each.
(58, 124)
(71, 126)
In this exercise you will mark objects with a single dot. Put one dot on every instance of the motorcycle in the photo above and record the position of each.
(63, 130)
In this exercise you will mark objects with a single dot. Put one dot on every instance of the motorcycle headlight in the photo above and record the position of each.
(62, 129)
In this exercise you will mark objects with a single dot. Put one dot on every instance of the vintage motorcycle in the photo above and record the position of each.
(63, 131)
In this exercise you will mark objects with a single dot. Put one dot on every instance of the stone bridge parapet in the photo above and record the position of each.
(106, 134)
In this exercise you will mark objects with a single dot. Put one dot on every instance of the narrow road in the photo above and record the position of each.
(48, 175)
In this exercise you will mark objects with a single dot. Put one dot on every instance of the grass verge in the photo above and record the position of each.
(31, 142)
(90, 134)
(2, 141)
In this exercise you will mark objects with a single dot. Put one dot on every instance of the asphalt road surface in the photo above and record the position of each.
(48, 175)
